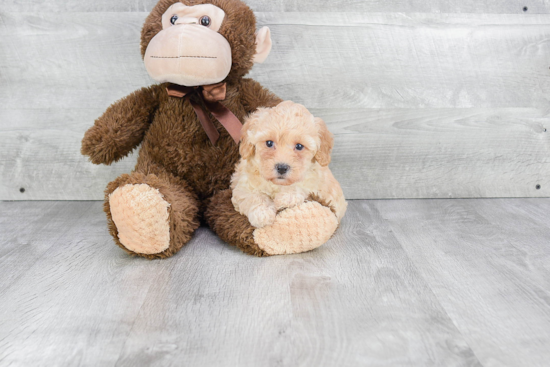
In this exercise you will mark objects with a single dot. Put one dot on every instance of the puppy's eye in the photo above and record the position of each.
(269, 143)
(173, 19)
(205, 21)
(299, 146)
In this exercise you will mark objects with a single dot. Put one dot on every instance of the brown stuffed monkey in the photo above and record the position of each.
(188, 127)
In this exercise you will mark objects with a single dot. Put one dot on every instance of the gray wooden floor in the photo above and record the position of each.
(404, 283)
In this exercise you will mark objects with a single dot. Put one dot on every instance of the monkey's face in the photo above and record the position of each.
(189, 50)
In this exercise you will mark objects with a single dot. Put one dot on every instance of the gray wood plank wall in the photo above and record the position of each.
(426, 98)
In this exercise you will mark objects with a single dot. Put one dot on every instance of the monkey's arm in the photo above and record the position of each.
(255, 96)
(122, 127)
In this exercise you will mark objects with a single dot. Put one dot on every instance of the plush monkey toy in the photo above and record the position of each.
(188, 127)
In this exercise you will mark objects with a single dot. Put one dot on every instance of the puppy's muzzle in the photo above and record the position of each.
(282, 168)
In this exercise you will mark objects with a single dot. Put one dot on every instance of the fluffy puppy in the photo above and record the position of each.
(285, 153)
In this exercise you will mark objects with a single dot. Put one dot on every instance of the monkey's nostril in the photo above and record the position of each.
(282, 168)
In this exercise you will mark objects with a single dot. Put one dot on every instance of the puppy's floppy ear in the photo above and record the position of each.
(247, 148)
(327, 143)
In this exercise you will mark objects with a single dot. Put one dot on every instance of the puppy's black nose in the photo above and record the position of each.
(282, 168)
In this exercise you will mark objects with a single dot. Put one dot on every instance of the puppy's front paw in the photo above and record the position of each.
(262, 216)
(285, 200)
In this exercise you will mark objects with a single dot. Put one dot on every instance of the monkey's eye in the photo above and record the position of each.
(269, 143)
(173, 19)
(205, 21)
(299, 146)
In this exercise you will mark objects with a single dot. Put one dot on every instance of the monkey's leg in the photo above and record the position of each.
(298, 229)
(151, 216)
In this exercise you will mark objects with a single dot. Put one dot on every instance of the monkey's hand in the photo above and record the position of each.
(122, 127)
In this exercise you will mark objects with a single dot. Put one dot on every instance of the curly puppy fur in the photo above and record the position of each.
(285, 154)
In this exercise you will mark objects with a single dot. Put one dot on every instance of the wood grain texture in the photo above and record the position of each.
(48, 222)
(401, 153)
(390, 60)
(46, 161)
(443, 153)
(403, 282)
(358, 300)
(493, 254)
(408, 60)
(442, 105)
(419, 6)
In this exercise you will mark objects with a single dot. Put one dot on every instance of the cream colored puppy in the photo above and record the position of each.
(285, 153)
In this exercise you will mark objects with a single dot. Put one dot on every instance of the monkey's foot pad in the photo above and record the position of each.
(298, 229)
(141, 216)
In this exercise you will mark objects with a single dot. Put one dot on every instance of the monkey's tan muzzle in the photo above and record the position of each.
(189, 55)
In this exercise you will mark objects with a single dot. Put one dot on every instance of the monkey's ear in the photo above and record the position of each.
(327, 143)
(263, 45)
